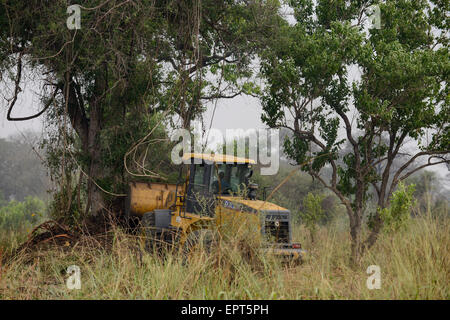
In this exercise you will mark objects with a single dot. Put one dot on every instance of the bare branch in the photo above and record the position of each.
(396, 179)
(406, 175)
(17, 91)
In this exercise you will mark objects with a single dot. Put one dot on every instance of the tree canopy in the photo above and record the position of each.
(330, 76)
(130, 66)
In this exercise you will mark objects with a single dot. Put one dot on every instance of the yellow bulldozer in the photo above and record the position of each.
(214, 194)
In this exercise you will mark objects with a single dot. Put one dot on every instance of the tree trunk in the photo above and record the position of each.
(383, 202)
(88, 129)
(355, 233)
(96, 170)
(312, 236)
(95, 197)
(373, 236)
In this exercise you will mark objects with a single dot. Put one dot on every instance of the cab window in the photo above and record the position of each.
(199, 176)
(233, 177)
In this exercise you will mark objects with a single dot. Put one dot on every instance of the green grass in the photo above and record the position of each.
(414, 264)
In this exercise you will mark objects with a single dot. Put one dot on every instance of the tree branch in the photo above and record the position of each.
(396, 179)
(18, 89)
(423, 166)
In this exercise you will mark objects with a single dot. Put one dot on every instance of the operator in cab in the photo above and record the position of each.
(224, 185)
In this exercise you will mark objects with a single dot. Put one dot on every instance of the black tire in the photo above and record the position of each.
(203, 239)
(159, 240)
(147, 224)
(132, 225)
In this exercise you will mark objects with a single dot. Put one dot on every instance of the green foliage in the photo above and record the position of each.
(397, 215)
(312, 212)
(16, 215)
(22, 173)
(65, 204)
(2, 199)
(400, 92)
(291, 194)
(129, 63)
(153, 154)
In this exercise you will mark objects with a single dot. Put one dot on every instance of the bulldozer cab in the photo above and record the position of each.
(212, 176)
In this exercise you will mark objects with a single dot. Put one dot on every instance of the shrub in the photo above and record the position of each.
(15, 215)
(312, 212)
(396, 216)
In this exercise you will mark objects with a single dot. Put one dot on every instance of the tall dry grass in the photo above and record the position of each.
(414, 264)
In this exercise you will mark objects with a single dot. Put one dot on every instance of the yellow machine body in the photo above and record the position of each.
(147, 196)
(234, 215)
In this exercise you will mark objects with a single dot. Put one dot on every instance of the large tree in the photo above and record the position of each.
(330, 79)
(129, 61)
(97, 76)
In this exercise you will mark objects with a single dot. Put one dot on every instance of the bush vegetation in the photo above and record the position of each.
(414, 264)
(18, 218)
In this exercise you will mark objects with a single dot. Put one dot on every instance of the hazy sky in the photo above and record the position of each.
(27, 103)
(243, 112)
